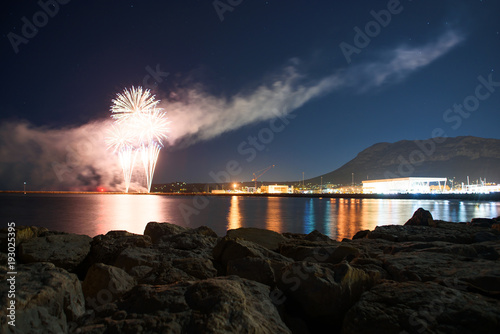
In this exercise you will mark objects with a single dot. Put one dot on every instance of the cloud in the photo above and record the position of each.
(397, 64)
(199, 116)
(75, 158)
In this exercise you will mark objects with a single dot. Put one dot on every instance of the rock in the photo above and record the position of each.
(477, 251)
(361, 234)
(421, 217)
(47, 299)
(64, 250)
(23, 233)
(228, 249)
(343, 253)
(482, 222)
(156, 231)
(415, 266)
(104, 284)
(322, 293)
(482, 236)
(496, 226)
(190, 241)
(216, 310)
(196, 267)
(320, 252)
(448, 232)
(106, 248)
(232, 254)
(154, 266)
(217, 305)
(414, 307)
(205, 231)
(317, 236)
(265, 238)
(310, 251)
(253, 268)
(140, 272)
(136, 256)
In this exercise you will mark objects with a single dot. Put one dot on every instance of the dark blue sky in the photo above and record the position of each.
(236, 72)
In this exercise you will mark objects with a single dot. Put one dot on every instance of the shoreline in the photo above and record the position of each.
(494, 197)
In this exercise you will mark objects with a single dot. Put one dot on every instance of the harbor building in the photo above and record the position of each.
(276, 189)
(412, 185)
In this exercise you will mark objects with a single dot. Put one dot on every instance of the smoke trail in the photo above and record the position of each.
(200, 116)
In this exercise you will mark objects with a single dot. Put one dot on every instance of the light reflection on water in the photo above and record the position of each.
(337, 218)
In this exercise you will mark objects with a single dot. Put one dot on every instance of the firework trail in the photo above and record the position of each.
(139, 127)
(120, 140)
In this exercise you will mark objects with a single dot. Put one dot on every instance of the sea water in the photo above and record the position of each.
(339, 218)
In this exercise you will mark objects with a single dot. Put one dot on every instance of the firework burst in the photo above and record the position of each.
(131, 102)
(139, 127)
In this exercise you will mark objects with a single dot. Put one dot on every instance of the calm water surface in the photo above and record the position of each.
(338, 218)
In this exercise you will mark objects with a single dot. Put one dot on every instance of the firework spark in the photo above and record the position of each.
(151, 126)
(120, 140)
(131, 102)
(149, 155)
(139, 127)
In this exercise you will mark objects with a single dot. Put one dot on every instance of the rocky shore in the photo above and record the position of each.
(427, 276)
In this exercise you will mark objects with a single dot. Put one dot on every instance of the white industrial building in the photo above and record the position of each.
(405, 185)
(276, 189)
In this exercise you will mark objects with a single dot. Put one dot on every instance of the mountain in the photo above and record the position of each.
(456, 157)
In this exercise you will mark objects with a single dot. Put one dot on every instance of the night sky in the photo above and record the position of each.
(303, 85)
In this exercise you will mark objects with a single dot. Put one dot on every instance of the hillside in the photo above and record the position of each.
(457, 158)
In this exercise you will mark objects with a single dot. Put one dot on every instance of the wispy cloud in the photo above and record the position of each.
(395, 65)
(201, 116)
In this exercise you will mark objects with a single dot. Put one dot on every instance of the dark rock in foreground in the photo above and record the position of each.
(426, 276)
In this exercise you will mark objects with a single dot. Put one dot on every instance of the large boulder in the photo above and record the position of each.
(64, 250)
(232, 254)
(475, 274)
(190, 241)
(137, 256)
(265, 238)
(47, 298)
(322, 293)
(23, 233)
(482, 222)
(217, 305)
(156, 231)
(197, 267)
(413, 307)
(305, 250)
(443, 231)
(253, 268)
(104, 284)
(106, 248)
(421, 217)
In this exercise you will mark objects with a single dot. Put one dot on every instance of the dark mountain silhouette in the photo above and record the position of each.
(456, 158)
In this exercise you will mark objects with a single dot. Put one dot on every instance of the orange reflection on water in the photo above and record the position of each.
(274, 218)
(127, 212)
(348, 218)
(234, 216)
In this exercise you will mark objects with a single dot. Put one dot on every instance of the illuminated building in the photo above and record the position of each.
(410, 185)
(276, 189)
